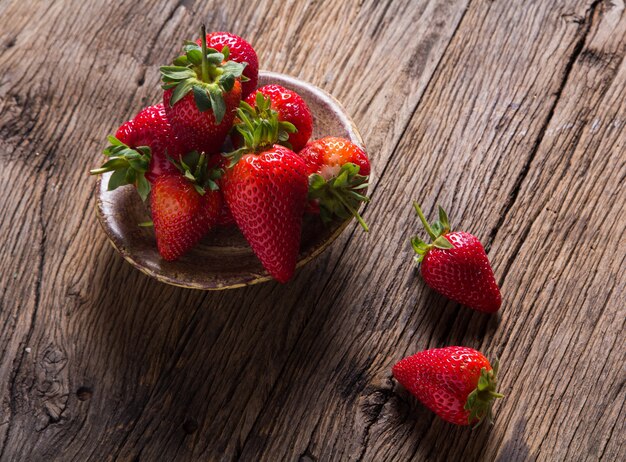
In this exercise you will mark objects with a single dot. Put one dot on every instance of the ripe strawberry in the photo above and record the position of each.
(181, 215)
(327, 155)
(265, 188)
(240, 52)
(339, 171)
(267, 193)
(456, 265)
(225, 217)
(202, 92)
(138, 152)
(456, 383)
(185, 205)
(151, 128)
(290, 107)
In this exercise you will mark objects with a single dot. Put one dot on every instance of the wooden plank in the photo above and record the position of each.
(562, 246)
(530, 177)
(97, 360)
(60, 312)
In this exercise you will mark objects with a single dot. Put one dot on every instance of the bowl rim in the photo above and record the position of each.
(167, 279)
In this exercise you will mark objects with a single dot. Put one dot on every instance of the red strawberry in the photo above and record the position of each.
(184, 202)
(327, 155)
(181, 215)
(339, 171)
(456, 265)
(151, 128)
(267, 193)
(456, 383)
(265, 188)
(138, 152)
(240, 52)
(291, 108)
(202, 92)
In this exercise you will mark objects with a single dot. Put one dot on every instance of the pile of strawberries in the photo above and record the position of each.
(219, 151)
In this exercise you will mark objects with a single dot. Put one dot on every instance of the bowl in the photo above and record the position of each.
(222, 260)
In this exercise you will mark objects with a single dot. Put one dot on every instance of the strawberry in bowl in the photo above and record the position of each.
(202, 90)
(225, 256)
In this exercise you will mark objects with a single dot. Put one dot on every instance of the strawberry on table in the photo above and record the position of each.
(240, 51)
(290, 108)
(455, 265)
(202, 92)
(456, 383)
(339, 171)
(265, 188)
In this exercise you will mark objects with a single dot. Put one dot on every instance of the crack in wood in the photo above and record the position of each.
(18, 361)
(307, 455)
(584, 29)
(381, 397)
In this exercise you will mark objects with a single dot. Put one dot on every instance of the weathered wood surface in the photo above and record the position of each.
(510, 114)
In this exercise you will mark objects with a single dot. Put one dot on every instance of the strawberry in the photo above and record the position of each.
(456, 265)
(290, 107)
(327, 155)
(339, 171)
(219, 163)
(456, 383)
(138, 152)
(184, 201)
(181, 215)
(202, 92)
(151, 128)
(240, 52)
(266, 193)
(265, 188)
(184, 206)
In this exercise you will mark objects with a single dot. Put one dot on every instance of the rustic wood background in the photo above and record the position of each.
(511, 114)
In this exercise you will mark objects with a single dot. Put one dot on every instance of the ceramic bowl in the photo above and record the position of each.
(222, 260)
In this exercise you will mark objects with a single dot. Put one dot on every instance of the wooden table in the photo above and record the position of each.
(510, 114)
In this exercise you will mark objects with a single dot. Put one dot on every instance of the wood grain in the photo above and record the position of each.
(509, 114)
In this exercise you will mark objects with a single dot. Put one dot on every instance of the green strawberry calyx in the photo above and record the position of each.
(480, 401)
(194, 168)
(204, 71)
(129, 166)
(437, 232)
(259, 128)
(341, 195)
